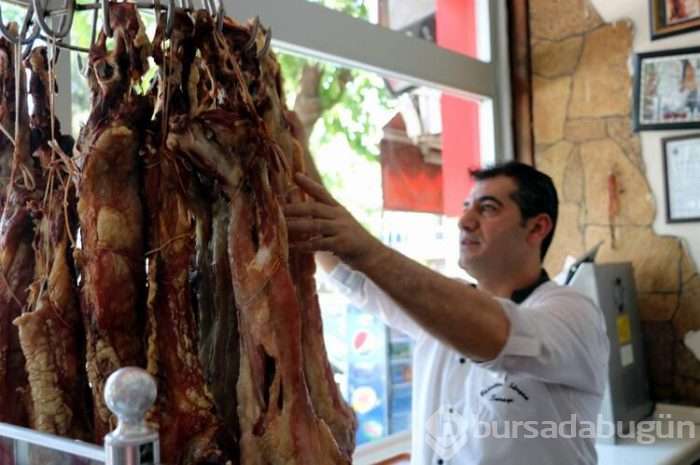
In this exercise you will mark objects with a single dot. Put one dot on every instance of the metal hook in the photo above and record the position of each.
(93, 33)
(61, 45)
(220, 17)
(66, 19)
(266, 47)
(28, 49)
(6, 32)
(157, 7)
(253, 35)
(105, 18)
(210, 7)
(20, 38)
(170, 22)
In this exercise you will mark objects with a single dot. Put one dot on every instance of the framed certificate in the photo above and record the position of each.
(682, 178)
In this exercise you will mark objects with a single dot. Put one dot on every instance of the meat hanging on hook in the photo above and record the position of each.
(108, 185)
(190, 429)
(231, 144)
(183, 265)
(16, 240)
(262, 72)
(50, 329)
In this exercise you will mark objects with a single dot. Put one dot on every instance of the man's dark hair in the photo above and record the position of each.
(535, 193)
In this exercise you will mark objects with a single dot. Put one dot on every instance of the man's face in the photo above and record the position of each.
(492, 237)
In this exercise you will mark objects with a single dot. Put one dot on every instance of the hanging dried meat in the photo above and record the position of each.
(50, 329)
(111, 257)
(170, 207)
(262, 73)
(189, 428)
(7, 114)
(277, 418)
(16, 252)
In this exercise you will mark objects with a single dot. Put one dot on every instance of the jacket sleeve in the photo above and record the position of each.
(560, 339)
(363, 293)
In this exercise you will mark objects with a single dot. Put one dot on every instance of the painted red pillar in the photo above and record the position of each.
(456, 30)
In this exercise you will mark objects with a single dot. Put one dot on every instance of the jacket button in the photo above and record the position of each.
(462, 360)
(440, 462)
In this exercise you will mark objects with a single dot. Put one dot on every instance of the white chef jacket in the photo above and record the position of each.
(554, 365)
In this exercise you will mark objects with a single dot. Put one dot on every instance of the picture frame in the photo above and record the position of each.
(681, 159)
(671, 17)
(667, 89)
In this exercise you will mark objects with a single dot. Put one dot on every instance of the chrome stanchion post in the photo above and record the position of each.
(129, 393)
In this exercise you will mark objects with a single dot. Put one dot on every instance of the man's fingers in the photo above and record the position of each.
(313, 209)
(314, 189)
(319, 244)
(313, 226)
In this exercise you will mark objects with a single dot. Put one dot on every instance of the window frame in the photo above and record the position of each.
(359, 44)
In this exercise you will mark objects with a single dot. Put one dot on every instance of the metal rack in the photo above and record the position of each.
(35, 24)
(51, 21)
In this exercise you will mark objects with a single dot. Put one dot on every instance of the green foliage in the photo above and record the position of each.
(352, 113)
(347, 110)
(355, 8)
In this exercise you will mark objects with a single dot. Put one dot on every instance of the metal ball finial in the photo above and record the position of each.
(129, 393)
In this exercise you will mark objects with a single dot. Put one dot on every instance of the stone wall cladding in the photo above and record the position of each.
(582, 91)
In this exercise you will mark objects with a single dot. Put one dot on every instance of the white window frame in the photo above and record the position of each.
(313, 30)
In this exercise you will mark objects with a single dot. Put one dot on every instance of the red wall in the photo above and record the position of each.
(456, 30)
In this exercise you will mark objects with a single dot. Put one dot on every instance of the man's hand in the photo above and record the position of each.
(328, 227)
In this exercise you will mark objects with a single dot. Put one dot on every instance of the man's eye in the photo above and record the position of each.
(488, 208)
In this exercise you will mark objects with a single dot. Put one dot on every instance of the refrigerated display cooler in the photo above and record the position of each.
(372, 366)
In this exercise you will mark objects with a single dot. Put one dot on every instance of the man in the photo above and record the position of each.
(516, 348)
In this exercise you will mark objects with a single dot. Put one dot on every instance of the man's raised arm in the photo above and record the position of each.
(465, 318)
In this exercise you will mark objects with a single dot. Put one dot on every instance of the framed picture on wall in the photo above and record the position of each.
(666, 87)
(681, 175)
(669, 17)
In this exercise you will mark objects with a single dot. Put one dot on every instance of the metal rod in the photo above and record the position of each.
(220, 17)
(40, 27)
(28, 436)
(64, 45)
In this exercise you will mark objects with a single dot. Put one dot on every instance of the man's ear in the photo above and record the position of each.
(538, 227)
